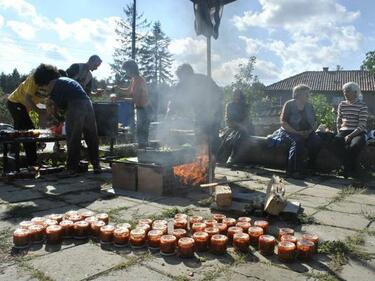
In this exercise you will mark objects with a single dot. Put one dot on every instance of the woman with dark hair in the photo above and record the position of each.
(238, 127)
(25, 99)
(138, 91)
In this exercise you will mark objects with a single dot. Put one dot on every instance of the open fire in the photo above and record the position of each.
(193, 173)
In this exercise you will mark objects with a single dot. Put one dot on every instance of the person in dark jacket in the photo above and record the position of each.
(238, 127)
(82, 72)
(298, 125)
(68, 95)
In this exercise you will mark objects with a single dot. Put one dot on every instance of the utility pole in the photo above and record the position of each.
(133, 27)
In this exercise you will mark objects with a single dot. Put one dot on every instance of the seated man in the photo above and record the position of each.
(298, 124)
(68, 95)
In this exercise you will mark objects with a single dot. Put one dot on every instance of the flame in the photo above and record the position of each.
(193, 173)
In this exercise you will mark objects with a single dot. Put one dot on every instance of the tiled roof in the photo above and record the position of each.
(327, 80)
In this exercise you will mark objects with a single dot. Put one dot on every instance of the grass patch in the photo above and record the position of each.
(346, 192)
(170, 213)
(341, 251)
(212, 275)
(35, 273)
(305, 219)
(5, 245)
(368, 213)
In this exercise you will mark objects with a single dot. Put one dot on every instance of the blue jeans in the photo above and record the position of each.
(143, 124)
(297, 146)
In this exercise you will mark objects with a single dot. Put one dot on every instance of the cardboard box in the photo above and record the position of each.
(124, 176)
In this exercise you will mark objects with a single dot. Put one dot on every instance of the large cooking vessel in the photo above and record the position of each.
(167, 157)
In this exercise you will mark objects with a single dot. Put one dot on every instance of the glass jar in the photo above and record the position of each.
(245, 219)
(95, 228)
(121, 236)
(244, 225)
(56, 217)
(233, 230)
(180, 223)
(289, 238)
(103, 217)
(181, 216)
(305, 249)
(106, 234)
(87, 214)
(154, 238)
(179, 233)
(75, 218)
(285, 231)
(160, 226)
(222, 228)
(36, 233)
(198, 226)
(263, 224)
(168, 244)
(218, 244)
(144, 226)
(81, 230)
(218, 217)
(186, 247)
(38, 220)
(229, 222)
(286, 251)
(54, 234)
(201, 241)
(21, 238)
(266, 245)
(145, 221)
(137, 238)
(255, 232)
(195, 219)
(313, 238)
(67, 229)
(210, 223)
(241, 242)
(124, 225)
(211, 231)
(25, 224)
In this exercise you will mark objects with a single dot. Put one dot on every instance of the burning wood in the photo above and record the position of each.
(195, 173)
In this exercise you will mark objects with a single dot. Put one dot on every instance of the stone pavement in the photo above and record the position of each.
(333, 209)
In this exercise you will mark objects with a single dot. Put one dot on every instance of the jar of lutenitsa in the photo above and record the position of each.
(168, 245)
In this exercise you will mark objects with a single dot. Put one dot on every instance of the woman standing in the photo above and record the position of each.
(352, 114)
(26, 98)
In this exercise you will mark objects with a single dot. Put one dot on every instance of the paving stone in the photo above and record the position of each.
(82, 197)
(176, 266)
(320, 191)
(368, 199)
(138, 197)
(138, 273)
(59, 210)
(76, 185)
(106, 204)
(341, 220)
(173, 202)
(351, 207)
(327, 233)
(355, 270)
(20, 195)
(76, 263)
(25, 209)
(139, 211)
(369, 245)
(309, 201)
(264, 272)
(15, 273)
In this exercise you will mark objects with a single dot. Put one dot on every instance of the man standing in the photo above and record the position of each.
(26, 98)
(68, 95)
(138, 91)
(82, 72)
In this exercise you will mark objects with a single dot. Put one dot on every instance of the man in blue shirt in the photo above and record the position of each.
(68, 95)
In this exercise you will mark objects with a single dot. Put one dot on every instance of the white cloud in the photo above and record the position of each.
(22, 29)
(320, 32)
(22, 7)
(1, 21)
(54, 52)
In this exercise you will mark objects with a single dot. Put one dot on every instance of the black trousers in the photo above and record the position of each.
(22, 121)
(349, 152)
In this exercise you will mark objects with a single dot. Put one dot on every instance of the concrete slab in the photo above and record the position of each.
(82, 197)
(320, 190)
(107, 204)
(308, 200)
(355, 270)
(76, 263)
(20, 195)
(15, 273)
(25, 209)
(138, 273)
(59, 210)
(327, 233)
(71, 185)
(350, 221)
(368, 199)
(351, 207)
(139, 211)
(173, 202)
(260, 271)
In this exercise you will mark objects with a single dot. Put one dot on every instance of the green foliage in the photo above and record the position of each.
(124, 34)
(5, 116)
(252, 88)
(369, 62)
(324, 111)
(155, 58)
(35, 118)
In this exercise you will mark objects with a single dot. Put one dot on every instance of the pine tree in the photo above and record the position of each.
(124, 33)
(155, 58)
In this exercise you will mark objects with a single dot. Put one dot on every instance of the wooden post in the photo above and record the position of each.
(211, 164)
(133, 28)
(209, 72)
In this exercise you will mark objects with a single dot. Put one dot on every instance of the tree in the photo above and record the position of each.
(124, 33)
(369, 62)
(155, 58)
(325, 114)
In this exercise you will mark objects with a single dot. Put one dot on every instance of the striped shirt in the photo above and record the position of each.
(352, 116)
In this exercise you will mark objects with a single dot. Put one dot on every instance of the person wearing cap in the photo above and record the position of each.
(82, 72)
(25, 98)
(138, 91)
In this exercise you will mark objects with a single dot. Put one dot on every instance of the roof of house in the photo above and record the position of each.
(327, 80)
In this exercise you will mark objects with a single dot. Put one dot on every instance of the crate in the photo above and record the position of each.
(156, 180)
(124, 176)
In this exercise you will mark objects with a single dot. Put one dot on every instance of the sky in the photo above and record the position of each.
(286, 36)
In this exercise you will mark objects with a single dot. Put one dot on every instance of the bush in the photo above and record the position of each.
(5, 116)
(325, 112)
